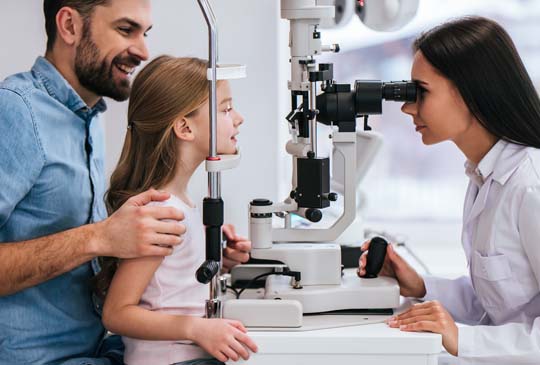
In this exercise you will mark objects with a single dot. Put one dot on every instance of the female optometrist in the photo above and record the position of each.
(475, 92)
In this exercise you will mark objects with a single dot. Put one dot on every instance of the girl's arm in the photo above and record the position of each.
(122, 314)
(222, 338)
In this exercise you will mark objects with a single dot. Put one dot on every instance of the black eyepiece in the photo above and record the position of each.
(399, 91)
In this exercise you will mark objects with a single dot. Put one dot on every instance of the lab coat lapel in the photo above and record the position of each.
(474, 205)
(480, 201)
(466, 234)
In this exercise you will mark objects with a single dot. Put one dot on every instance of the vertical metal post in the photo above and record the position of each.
(213, 205)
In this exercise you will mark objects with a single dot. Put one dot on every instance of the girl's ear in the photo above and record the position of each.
(182, 129)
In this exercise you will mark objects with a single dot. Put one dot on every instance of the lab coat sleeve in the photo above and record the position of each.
(512, 343)
(457, 296)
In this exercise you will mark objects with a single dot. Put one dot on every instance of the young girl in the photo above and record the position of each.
(475, 92)
(154, 302)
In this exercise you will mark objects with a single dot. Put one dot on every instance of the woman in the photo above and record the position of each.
(475, 92)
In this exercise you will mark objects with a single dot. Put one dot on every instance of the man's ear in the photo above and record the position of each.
(69, 26)
(182, 129)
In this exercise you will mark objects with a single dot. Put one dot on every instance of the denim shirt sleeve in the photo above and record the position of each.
(22, 156)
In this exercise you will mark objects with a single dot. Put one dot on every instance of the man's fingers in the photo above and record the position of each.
(154, 250)
(172, 228)
(164, 213)
(166, 240)
(147, 197)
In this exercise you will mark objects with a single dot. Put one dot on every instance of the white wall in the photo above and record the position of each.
(250, 32)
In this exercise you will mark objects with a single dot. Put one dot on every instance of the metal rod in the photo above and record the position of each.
(213, 304)
(213, 177)
(313, 106)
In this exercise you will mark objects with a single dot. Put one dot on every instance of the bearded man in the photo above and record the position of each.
(53, 221)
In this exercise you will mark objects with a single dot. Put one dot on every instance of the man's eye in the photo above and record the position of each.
(125, 30)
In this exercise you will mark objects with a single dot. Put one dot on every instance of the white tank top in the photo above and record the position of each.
(174, 289)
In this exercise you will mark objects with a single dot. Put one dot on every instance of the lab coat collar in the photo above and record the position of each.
(508, 162)
(481, 172)
(498, 165)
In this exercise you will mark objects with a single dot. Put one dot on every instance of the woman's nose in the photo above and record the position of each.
(409, 108)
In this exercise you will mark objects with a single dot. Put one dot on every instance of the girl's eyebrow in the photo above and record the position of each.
(229, 99)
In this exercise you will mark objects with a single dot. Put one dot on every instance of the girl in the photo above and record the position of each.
(475, 92)
(154, 302)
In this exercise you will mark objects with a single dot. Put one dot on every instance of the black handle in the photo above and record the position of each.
(375, 257)
(207, 271)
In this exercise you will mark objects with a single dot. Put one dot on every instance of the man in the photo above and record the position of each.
(52, 213)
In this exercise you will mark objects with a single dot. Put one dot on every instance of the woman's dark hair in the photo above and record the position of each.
(479, 57)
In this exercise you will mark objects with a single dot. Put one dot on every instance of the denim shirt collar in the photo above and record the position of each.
(58, 87)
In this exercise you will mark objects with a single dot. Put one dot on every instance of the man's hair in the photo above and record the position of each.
(51, 8)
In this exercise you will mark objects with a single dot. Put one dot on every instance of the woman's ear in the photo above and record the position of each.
(182, 129)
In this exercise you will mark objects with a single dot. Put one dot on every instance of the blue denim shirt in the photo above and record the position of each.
(51, 180)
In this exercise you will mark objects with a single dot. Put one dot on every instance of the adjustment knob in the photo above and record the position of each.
(331, 197)
(313, 215)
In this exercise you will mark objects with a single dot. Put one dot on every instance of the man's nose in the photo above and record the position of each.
(139, 50)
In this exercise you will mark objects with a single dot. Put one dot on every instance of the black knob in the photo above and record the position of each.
(375, 257)
(207, 271)
(332, 197)
(261, 202)
(313, 215)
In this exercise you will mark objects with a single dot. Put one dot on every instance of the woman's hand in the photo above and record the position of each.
(224, 339)
(431, 317)
(410, 283)
(237, 250)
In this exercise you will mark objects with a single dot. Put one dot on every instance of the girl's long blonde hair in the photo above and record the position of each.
(166, 89)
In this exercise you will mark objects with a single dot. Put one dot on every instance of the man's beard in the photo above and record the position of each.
(97, 76)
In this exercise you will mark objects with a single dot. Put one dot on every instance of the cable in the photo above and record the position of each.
(296, 274)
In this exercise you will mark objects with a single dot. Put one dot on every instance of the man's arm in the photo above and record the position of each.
(134, 230)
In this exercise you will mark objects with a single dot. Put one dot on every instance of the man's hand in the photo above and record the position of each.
(431, 317)
(137, 230)
(237, 250)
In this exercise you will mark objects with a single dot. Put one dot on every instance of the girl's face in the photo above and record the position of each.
(228, 121)
(439, 113)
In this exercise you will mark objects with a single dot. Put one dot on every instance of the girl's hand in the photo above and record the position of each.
(431, 317)
(224, 339)
(237, 250)
(410, 283)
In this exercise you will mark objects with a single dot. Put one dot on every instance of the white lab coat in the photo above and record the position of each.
(500, 299)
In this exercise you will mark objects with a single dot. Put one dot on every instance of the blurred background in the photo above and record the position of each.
(413, 192)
